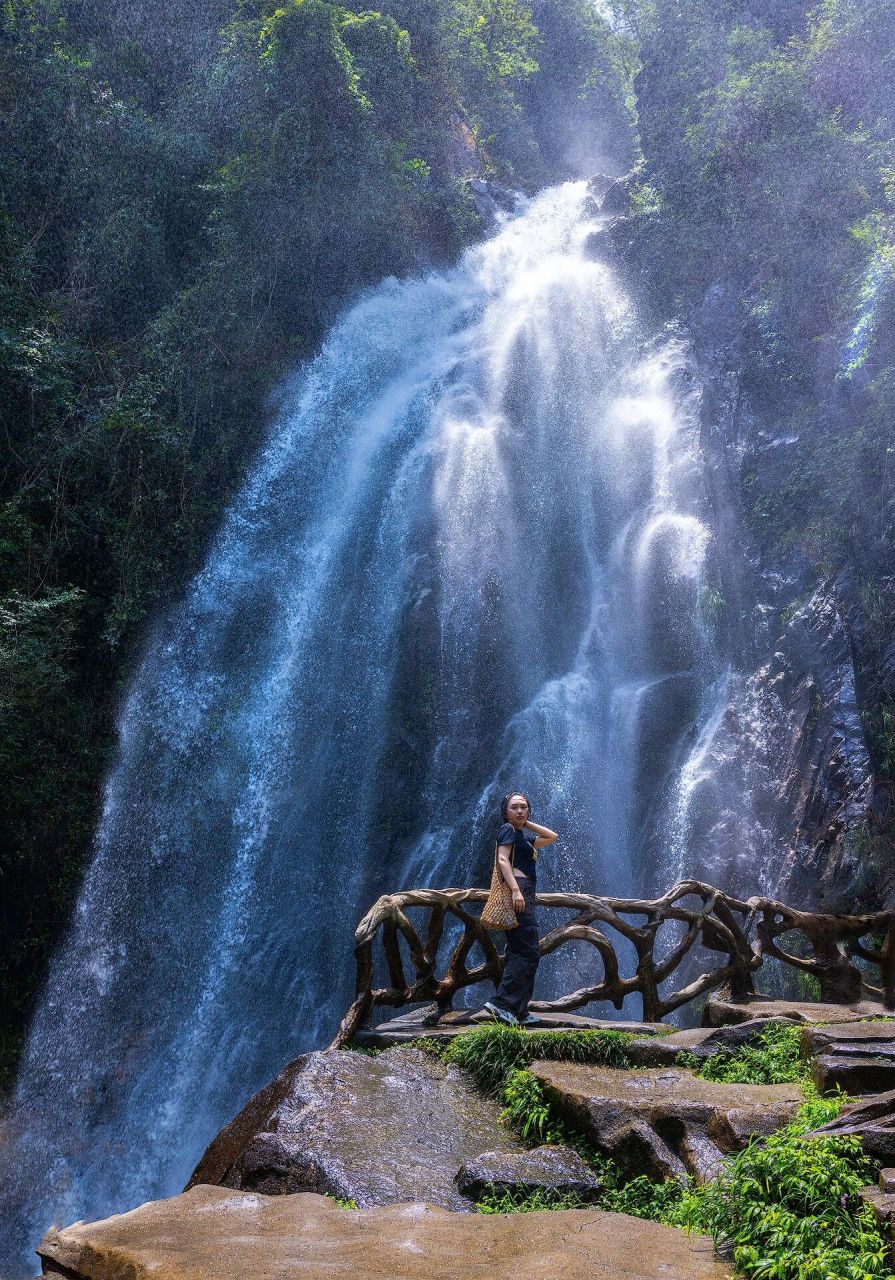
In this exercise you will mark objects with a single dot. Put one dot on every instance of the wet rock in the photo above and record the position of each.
(702, 1042)
(211, 1233)
(858, 1057)
(786, 773)
(665, 1122)
(373, 1130)
(825, 774)
(854, 1074)
(492, 200)
(615, 195)
(876, 1036)
(872, 1120)
(547, 1168)
(719, 1012)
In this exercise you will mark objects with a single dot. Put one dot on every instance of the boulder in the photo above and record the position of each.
(858, 1057)
(547, 1168)
(211, 1233)
(702, 1042)
(720, 1012)
(872, 1120)
(665, 1122)
(853, 1073)
(616, 196)
(374, 1130)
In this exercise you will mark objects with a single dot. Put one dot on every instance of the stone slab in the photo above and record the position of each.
(665, 1122)
(854, 1073)
(211, 1233)
(858, 1057)
(374, 1130)
(863, 1036)
(872, 1120)
(719, 1012)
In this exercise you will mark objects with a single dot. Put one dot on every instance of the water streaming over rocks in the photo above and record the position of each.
(470, 556)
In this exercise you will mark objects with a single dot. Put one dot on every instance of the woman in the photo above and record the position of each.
(510, 1004)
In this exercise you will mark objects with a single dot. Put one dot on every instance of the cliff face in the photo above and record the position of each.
(800, 793)
(804, 739)
(760, 220)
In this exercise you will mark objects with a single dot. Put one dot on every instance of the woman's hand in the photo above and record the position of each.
(518, 902)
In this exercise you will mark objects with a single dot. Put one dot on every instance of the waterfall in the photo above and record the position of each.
(468, 557)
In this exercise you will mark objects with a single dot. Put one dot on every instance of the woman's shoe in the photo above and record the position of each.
(531, 1021)
(502, 1015)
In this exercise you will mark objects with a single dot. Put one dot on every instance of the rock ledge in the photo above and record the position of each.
(211, 1233)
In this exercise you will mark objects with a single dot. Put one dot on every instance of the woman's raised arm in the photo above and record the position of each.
(544, 834)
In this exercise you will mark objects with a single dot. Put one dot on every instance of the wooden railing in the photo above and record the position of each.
(744, 934)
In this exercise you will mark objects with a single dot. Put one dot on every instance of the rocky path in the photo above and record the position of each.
(412, 1141)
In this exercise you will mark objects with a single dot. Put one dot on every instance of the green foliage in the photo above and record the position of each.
(879, 725)
(497, 39)
(786, 1208)
(494, 1200)
(527, 1109)
(775, 1059)
(658, 1201)
(768, 138)
(582, 106)
(343, 1204)
(492, 1052)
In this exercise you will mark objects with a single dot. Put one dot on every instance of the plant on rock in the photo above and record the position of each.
(775, 1059)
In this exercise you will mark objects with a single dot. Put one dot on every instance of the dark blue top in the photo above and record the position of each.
(523, 848)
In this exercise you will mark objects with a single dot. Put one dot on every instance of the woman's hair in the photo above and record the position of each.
(505, 803)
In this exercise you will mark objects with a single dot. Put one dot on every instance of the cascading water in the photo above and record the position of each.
(469, 557)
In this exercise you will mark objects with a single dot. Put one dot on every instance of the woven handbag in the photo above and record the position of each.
(499, 912)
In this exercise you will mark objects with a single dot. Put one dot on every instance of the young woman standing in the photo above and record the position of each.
(522, 839)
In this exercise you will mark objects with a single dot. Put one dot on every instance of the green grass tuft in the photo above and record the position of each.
(642, 1198)
(492, 1053)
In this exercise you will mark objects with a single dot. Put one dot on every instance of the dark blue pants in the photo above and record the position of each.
(521, 957)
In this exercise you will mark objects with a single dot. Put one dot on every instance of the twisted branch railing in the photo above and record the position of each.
(744, 932)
